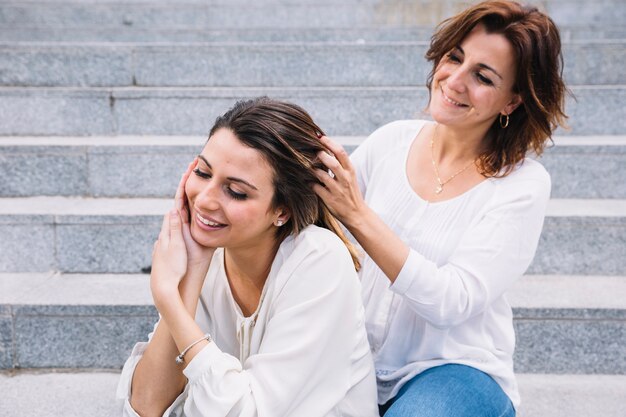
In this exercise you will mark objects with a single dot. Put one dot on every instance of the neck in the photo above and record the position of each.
(250, 266)
(457, 145)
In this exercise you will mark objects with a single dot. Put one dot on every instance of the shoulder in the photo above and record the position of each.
(529, 181)
(396, 132)
(387, 139)
(315, 254)
(314, 241)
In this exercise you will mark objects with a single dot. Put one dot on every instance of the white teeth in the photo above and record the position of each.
(207, 222)
(449, 100)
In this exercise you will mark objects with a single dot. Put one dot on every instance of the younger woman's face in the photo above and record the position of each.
(230, 195)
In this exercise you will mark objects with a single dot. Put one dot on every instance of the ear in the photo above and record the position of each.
(282, 215)
(513, 104)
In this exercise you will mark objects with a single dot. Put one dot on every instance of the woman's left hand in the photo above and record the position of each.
(169, 258)
(341, 191)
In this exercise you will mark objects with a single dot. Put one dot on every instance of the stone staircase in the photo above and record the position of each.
(103, 103)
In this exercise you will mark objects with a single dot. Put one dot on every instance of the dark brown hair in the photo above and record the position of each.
(538, 79)
(289, 141)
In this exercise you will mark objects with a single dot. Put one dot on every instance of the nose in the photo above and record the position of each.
(207, 198)
(456, 80)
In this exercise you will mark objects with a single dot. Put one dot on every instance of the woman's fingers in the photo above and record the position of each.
(335, 170)
(175, 224)
(338, 151)
(179, 198)
(164, 236)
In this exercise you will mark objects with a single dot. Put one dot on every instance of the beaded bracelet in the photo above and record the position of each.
(181, 358)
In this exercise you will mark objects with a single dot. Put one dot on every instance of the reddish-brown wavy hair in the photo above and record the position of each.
(539, 78)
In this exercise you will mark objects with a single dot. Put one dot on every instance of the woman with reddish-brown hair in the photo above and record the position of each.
(449, 212)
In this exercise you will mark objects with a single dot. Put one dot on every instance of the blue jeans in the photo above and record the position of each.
(450, 391)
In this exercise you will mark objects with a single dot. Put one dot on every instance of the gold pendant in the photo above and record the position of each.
(439, 189)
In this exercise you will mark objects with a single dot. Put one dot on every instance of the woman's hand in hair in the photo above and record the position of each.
(340, 190)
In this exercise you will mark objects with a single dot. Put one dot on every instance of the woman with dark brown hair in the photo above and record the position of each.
(255, 283)
(450, 212)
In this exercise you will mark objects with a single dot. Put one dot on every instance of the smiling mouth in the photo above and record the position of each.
(449, 100)
(208, 222)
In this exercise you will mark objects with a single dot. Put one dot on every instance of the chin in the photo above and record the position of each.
(201, 238)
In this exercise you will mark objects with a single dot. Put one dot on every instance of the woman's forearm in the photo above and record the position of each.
(157, 379)
(381, 243)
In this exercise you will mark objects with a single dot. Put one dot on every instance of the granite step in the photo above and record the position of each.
(277, 14)
(130, 34)
(564, 324)
(58, 111)
(278, 64)
(149, 166)
(103, 235)
(53, 393)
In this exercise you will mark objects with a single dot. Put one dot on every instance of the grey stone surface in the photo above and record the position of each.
(77, 394)
(191, 111)
(26, 247)
(356, 35)
(117, 248)
(152, 168)
(63, 339)
(52, 65)
(586, 171)
(138, 171)
(571, 395)
(584, 237)
(52, 112)
(43, 170)
(283, 65)
(599, 62)
(6, 338)
(281, 14)
(581, 245)
(258, 64)
(80, 294)
(570, 346)
(54, 394)
(581, 12)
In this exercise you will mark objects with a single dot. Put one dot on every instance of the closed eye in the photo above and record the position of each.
(483, 79)
(236, 195)
(201, 174)
(453, 57)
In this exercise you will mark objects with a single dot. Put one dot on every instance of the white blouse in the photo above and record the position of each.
(448, 303)
(304, 352)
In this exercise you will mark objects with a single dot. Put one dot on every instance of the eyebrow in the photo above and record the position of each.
(485, 66)
(233, 179)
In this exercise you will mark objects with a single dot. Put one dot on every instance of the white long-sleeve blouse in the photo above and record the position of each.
(304, 352)
(448, 303)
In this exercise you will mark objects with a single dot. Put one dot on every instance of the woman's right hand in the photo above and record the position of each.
(197, 255)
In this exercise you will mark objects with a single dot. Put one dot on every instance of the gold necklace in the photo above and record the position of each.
(440, 184)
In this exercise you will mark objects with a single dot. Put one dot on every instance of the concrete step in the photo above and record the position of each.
(277, 14)
(86, 235)
(191, 110)
(564, 324)
(53, 393)
(130, 34)
(284, 64)
(137, 166)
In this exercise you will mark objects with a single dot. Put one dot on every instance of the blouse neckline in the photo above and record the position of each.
(405, 174)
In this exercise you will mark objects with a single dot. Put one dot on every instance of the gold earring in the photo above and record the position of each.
(505, 123)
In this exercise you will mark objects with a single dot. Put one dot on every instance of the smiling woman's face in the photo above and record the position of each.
(230, 195)
(473, 83)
